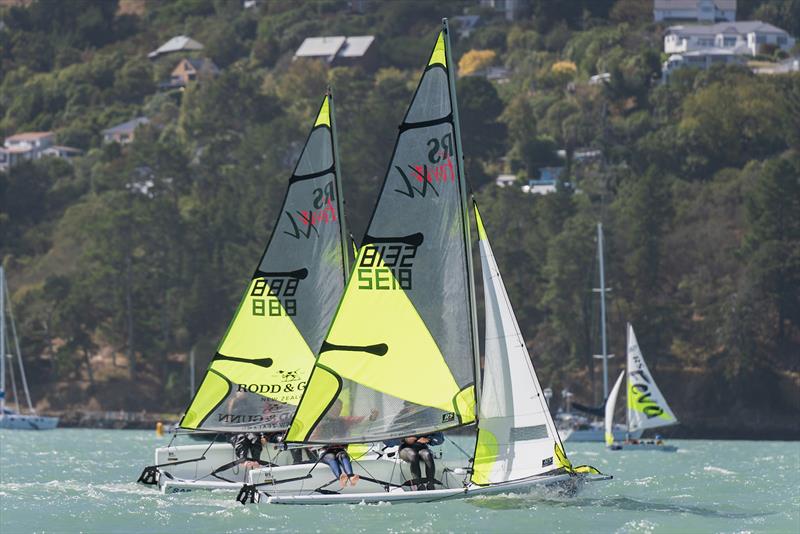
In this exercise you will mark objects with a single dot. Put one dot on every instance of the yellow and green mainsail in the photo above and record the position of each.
(262, 364)
(399, 357)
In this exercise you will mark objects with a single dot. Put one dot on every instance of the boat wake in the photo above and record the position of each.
(517, 502)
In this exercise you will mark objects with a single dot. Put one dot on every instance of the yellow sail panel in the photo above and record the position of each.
(324, 116)
(320, 392)
(438, 55)
(262, 353)
(375, 311)
(479, 222)
(212, 391)
(485, 457)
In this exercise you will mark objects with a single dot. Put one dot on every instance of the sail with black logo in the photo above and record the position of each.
(256, 379)
(647, 407)
(401, 351)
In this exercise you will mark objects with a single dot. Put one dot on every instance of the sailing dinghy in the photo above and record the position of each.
(646, 407)
(401, 356)
(255, 380)
(15, 419)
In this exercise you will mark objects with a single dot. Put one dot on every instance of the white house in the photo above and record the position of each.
(32, 145)
(699, 10)
(745, 37)
(505, 180)
(700, 59)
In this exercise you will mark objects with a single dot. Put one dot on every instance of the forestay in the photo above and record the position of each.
(611, 404)
(400, 353)
(261, 367)
(647, 407)
(516, 434)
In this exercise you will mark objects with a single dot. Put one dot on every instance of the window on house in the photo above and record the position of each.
(782, 40)
(761, 39)
(192, 76)
(729, 41)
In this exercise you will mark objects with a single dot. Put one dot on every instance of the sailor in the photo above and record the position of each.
(415, 448)
(248, 447)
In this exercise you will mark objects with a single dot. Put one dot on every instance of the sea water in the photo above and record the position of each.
(84, 481)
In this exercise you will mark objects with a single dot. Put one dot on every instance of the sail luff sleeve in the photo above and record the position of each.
(398, 358)
(462, 180)
(339, 195)
(262, 364)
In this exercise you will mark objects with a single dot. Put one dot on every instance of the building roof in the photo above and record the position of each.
(741, 28)
(126, 127)
(356, 46)
(321, 47)
(62, 148)
(335, 46)
(27, 137)
(176, 44)
(726, 5)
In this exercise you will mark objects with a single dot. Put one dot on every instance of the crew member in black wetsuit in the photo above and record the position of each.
(248, 447)
(415, 448)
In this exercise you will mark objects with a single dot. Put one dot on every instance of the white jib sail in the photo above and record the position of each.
(611, 403)
(647, 407)
(516, 434)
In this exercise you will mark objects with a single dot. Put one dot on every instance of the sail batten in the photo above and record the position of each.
(399, 355)
(261, 367)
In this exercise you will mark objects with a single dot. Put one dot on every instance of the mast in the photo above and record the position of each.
(602, 290)
(2, 342)
(465, 213)
(627, 392)
(338, 181)
(22, 375)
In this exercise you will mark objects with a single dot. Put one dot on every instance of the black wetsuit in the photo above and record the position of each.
(247, 446)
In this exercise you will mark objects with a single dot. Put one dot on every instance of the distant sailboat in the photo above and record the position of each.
(11, 419)
(646, 407)
(579, 425)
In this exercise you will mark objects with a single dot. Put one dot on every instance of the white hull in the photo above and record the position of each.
(597, 434)
(643, 447)
(27, 422)
(202, 460)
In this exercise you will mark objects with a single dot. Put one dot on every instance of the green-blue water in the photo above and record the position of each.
(82, 481)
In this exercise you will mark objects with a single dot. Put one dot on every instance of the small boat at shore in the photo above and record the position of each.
(15, 419)
(646, 407)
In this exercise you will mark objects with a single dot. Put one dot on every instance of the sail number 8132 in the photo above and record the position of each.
(386, 267)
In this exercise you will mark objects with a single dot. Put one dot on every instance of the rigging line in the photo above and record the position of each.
(7, 350)
(16, 346)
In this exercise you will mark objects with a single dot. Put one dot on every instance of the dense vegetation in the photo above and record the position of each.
(698, 184)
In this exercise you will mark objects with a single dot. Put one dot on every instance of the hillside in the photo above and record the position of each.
(127, 256)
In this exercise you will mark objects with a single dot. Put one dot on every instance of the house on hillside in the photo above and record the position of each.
(180, 43)
(505, 180)
(33, 145)
(61, 151)
(744, 37)
(700, 59)
(340, 51)
(511, 9)
(464, 25)
(190, 70)
(123, 133)
(699, 10)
